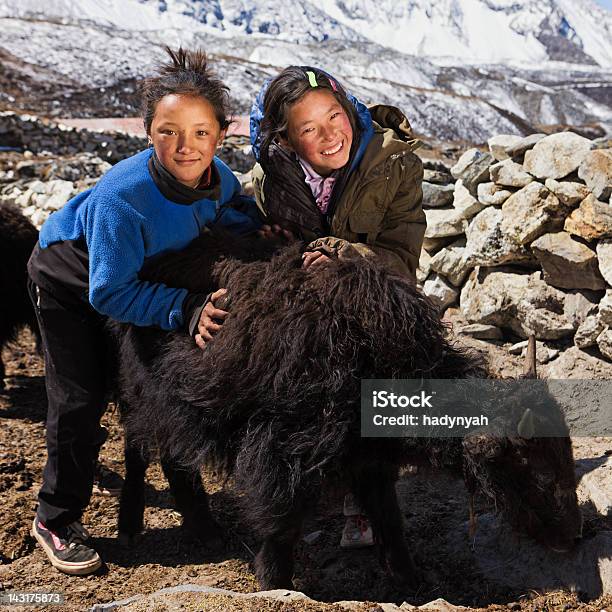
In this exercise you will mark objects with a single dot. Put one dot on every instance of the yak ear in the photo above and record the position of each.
(526, 426)
(484, 446)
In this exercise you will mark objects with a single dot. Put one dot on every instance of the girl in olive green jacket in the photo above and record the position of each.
(335, 173)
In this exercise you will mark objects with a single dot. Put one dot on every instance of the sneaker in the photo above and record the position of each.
(106, 482)
(357, 532)
(66, 549)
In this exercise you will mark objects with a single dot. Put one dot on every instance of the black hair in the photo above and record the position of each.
(287, 89)
(186, 73)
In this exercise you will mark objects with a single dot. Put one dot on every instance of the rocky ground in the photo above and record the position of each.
(28, 89)
(434, 507)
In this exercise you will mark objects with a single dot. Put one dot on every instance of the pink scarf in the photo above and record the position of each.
(320, 186)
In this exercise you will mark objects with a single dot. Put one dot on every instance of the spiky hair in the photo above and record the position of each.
(185, 73)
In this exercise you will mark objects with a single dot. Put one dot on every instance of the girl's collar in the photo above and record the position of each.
(208, 189)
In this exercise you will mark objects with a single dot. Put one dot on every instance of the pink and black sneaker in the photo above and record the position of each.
(66, 548)
(357, 532)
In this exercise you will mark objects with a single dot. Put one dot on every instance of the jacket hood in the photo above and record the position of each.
(390, 117)
(363, 114)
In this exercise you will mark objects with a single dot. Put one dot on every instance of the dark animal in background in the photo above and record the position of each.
(274, 401)
(17, 240)
(530, 479)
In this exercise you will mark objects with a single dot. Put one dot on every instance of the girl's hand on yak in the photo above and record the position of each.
(310, 259)
(269, 232)
(211, 319)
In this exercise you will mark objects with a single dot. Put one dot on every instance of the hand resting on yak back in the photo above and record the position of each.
(212, 316)
(309, 258)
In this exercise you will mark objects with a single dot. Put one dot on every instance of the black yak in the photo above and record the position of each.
(17, 240)
(274, 400)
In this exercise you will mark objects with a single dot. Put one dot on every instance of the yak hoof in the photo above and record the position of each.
(272, 573)
(403, 578)
(272, 584)
(208, 532)
(403, 571)
(127, 540)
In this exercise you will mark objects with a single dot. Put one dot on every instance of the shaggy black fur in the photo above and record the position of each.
(531, 480)
(17, 240)
(274, 399)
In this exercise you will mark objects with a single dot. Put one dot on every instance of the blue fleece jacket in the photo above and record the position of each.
(124, 220)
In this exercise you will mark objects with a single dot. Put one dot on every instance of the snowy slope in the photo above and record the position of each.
(120, 14)
(593, 25)
(480, 30)
(469, 30)
(296, 21)
(88, 44)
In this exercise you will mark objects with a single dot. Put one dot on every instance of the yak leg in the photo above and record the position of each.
(274, 561)
(374, 488)
(192, 502)
(131, 507)
(281, 525)
(277, 496)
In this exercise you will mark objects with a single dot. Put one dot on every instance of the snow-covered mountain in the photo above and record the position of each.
(476, 30)
(484, 30)
(577, 31)
(462, 69)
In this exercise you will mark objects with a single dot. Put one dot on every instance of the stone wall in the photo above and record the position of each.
(31, 133)
(520, 237)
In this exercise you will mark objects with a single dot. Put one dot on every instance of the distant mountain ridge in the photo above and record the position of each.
(577, 31)
(477, 30)
(440, 62)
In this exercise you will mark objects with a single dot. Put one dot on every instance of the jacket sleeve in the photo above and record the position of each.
(116, 243)
(238, 213)
(397, 241)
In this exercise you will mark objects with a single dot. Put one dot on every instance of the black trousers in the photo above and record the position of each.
(75, 347)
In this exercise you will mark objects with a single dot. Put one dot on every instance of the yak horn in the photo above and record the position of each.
(526, 426)
(530, 359)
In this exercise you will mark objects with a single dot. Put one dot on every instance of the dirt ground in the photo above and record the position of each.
(165, 555)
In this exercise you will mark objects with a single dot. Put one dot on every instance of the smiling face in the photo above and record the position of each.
(185, 133)
(319, 131)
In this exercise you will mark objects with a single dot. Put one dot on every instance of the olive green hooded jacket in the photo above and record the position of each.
(379, 211)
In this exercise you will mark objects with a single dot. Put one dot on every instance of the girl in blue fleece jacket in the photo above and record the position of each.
(85, 269)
